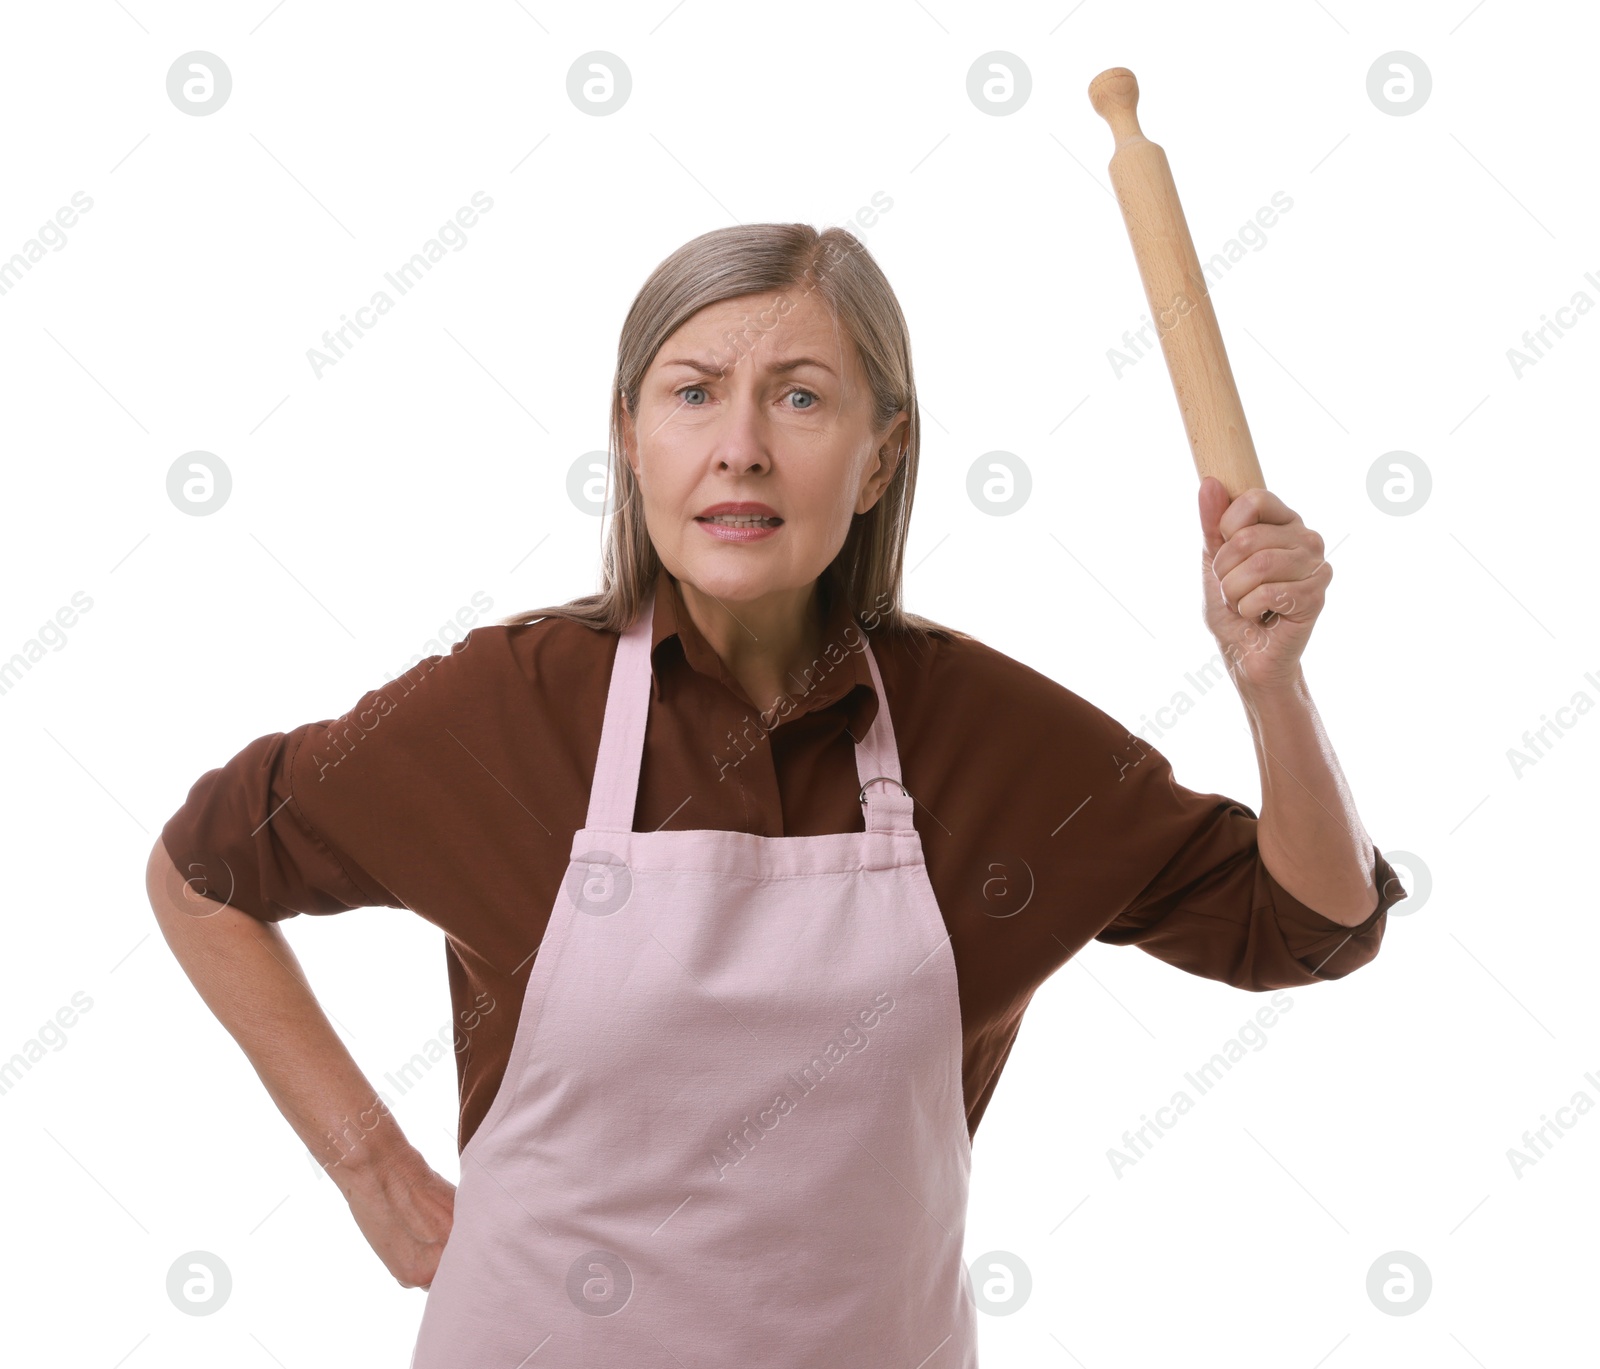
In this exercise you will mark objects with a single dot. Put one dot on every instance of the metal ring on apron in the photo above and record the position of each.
(863, 794)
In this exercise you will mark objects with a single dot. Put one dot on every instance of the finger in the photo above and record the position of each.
(1213, 495)
(1259, 537)
(1255, 505)
(1297, 600)
(1273, 565)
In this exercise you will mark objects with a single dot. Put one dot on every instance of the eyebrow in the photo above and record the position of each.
(705, 368)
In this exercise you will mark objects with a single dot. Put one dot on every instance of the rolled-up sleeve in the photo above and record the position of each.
(242, 839)
(1214, 909)
(377, 808)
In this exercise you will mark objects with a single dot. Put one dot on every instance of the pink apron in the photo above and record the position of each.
(731, 1131)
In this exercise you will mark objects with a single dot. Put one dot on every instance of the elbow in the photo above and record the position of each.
(160, 875)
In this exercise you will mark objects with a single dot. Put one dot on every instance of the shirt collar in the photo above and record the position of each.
(840, 672)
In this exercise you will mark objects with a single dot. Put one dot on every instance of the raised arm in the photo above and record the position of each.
(1259, 555)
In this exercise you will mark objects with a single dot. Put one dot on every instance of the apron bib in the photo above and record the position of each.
(731, 1131)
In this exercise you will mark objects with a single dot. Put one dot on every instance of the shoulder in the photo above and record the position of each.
(493, 658)
(498, 685)
(1007, 756)
(964, 678)
(554, 651)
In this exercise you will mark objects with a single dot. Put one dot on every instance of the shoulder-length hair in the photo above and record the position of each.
(752, 259)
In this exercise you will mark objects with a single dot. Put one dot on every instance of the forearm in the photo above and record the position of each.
(1310, 836)
(251, 980)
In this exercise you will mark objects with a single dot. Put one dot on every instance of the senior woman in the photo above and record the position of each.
(747, 874)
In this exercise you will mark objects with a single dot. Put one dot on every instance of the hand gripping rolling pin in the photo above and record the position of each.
(1180, 303)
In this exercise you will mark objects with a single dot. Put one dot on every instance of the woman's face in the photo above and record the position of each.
(759, 400)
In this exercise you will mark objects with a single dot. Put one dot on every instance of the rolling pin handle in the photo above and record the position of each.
(1114, 93)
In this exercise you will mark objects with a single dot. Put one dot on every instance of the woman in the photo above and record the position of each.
(746, 874)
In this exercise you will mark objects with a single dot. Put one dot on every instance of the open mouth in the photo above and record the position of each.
(731, 521)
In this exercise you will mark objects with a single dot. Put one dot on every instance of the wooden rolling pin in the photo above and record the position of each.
(1180, 302)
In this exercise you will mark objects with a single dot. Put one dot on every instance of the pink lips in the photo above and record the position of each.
(746, 532)
(753, 533)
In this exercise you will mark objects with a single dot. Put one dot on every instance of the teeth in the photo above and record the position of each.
(730, 521)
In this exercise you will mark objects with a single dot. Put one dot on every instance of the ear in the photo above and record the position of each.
(629, 442)
(891, 452)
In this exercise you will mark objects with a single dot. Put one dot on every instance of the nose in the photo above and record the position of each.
(741, 442)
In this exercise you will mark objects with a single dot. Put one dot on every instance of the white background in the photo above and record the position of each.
(430, 463)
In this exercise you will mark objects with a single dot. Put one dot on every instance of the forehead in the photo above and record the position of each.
(768, 327)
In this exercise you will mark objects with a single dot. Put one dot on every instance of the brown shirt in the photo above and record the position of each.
(455, 789)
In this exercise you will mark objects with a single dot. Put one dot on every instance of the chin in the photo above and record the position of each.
(723, 577)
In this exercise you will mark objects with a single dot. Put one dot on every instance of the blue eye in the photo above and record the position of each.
(815, 399)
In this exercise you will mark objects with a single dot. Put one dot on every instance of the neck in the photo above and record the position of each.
(765, 643)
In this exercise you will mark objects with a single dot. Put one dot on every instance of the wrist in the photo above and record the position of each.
(1265, 695)
(360, 1147)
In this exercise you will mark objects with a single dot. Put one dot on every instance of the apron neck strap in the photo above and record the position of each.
(614, 792)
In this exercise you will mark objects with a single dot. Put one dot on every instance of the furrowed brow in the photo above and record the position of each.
(707, 368)
(794, 363)
(701, 367)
